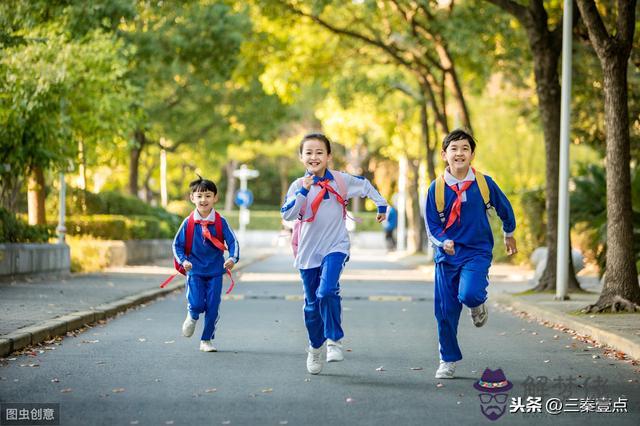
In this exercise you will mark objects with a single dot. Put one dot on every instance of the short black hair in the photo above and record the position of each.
(203, 185)
(316, 136)
(457, 135)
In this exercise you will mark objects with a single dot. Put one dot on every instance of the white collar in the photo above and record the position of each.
(210, 218)
(452, 180)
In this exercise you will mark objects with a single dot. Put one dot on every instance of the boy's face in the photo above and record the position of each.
(459, 156)
(315, 157)
(204, 201)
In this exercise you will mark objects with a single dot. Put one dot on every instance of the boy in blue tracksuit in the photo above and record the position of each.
(205, 264)
(463, 244)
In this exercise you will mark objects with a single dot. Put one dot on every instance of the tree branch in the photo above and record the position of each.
(593, 21)
(513, 8)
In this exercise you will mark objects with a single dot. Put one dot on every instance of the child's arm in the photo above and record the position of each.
(232, 245)
(179, 242)
(435, 231)
(296, 196)
(505, 212)
(359, 186)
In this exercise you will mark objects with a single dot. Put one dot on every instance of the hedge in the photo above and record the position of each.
(118, 227)
(15, 230)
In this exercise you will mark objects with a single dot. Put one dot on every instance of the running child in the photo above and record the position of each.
(458, 226)
(321, 244)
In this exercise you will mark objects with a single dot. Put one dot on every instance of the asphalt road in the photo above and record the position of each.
(138, 369)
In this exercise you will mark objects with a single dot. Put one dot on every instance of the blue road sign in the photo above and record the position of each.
(244, 198)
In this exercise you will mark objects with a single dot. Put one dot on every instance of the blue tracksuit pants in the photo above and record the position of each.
(203, 295)
(464, 283)
(322, 301)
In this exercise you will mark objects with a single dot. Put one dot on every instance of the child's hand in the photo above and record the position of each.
(229, 264)
(381, 217)
(448, 247)
(510, 244)
(187, 265)
(307, 181)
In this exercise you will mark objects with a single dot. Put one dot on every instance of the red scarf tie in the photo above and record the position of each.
(315, 204)
(457, 204)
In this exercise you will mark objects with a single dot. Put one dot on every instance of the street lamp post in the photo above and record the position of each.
(61, 229)
(244, 197)
(562, 265)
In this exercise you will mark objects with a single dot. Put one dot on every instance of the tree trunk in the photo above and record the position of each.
(134, 161)
(621, 289)
(424, 121)
(231, 184)
(545, 47)
(415, 232)
(36, 197)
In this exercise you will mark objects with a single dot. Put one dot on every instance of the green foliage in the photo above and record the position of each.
(14, 230)
(117, 227)
(589, 210)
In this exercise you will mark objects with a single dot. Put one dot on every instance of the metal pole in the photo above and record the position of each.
(402, 204)
(562, 264)
(61, 229)
(163, 178)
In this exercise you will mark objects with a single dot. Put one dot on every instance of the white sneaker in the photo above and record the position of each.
(207, 346)
(334, 351)
(188, 326)
(314, 359)
(479, 315)
(446, 370)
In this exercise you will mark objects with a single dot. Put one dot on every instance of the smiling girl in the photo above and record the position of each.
(318, 202)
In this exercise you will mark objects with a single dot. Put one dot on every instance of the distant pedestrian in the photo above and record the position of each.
(457, 222)
(389, 225)
(205, 231)
(317, 202)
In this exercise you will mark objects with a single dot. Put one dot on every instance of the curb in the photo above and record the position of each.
(616, 341)
(59, 326)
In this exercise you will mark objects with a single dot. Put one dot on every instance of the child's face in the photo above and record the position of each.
(459, 156)
(315, 157)
(204, 201)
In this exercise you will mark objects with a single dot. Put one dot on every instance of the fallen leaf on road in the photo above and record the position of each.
(541, 341)
(547, 361)
(170, 341)
(117, 390)
(535, 333)
(502, 334)
(100, 362)
(210, 390)
(307, 379)
(267, 390)
(67, 390)
(439, 385)
(55, 380)
(349, 350)
(90, 341)
(595, 356)
(349, 400)
(555, 336)
(381, 368)
(142, 339)
(416, 368)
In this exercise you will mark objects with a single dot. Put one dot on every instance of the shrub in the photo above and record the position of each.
(14, 230)
(117, 227)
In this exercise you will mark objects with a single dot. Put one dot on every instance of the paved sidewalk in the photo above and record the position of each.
(35, 310)
(620, 331)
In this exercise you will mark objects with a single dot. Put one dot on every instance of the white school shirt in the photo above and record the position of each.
(327, 233)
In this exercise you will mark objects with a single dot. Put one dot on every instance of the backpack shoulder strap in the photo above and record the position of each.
(342, 185)
(440, 197)
(191, 225)
(218, 226)
(484, 189)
